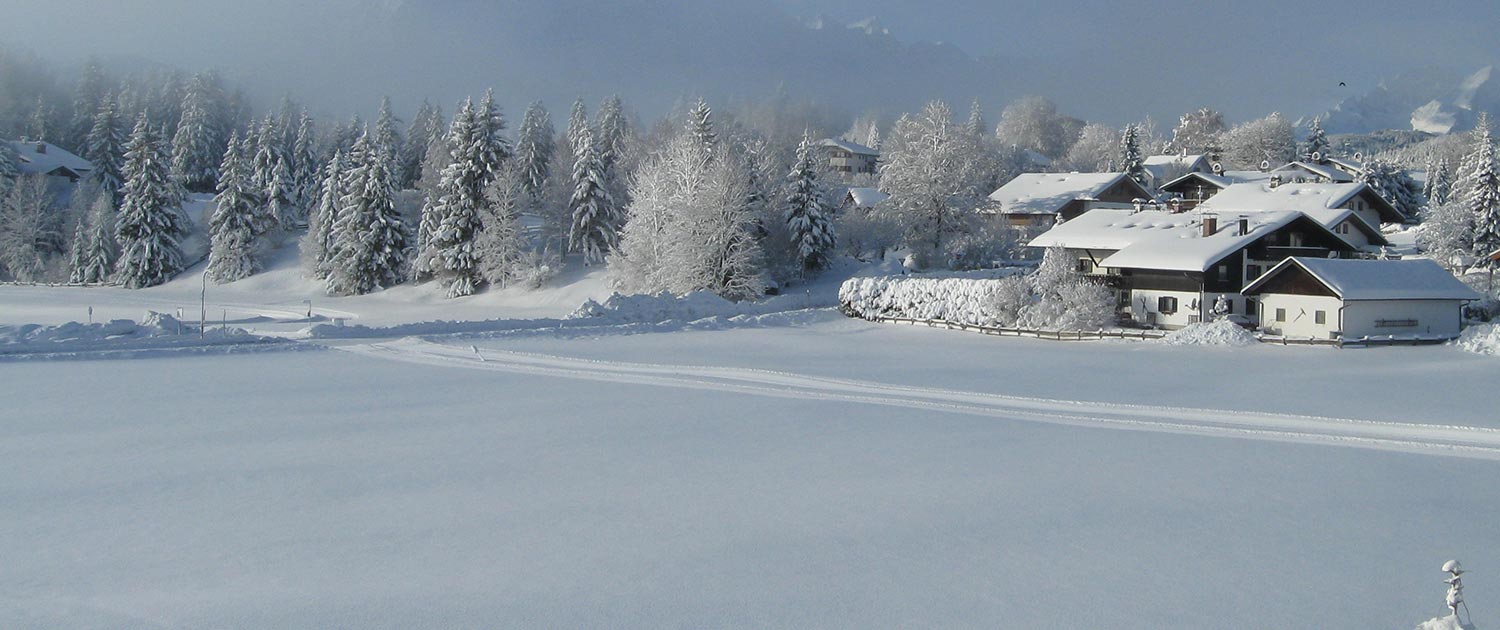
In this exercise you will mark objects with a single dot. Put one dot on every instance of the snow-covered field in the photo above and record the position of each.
(802, 470)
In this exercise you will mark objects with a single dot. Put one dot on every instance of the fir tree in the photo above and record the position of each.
(387, 136)
(1481, 190)
(594, 228)
(700, 125)
(304, 166)
(199, 140)
(39, 124)
(371, 238)
(1130, 155)
(318, 244)
(233, 233)
(94, 245)
(1317, 142)
(613, 144)
(807, 222)
(534, 150)
(489, 126)
(976, 126)
(1439, 184)
(286, 216)
(93, 91)
(418, 139)
(149, 226)
(454, 216)
(105, 148)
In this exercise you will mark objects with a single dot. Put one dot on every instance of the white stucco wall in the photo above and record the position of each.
(1301, 315)
(1147, 313)
(1432, 317)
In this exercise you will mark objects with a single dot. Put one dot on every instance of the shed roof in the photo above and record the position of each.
(1352, 280)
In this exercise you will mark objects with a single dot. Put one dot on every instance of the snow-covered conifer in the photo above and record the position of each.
(976, 126)
(94, 245)
(199, 142)
(806, 215)
(318, 244)
(278, 198)
(1439, 183)
(1317, 141)
(387, 137)
(371, 239)
(534, 149)
(1481, 190)
(303, 163)
(234, 236)
(150, 226)
(594, 227)
(453, 216)
(93, 90)
(1130, 155)
(105, 147)
(700, 125)
(489, 127)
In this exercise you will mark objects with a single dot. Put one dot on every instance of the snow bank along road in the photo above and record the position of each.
(1460, 441)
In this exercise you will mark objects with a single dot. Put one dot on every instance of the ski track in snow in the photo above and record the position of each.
(1428, 439)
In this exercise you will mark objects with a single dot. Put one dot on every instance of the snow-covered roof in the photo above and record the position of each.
(1221, 181)
(1047, 193)
(1035, 158)
(1155, 239)
(1327, 171)
(1347, 164)
(866, 197)
(852, 147)
(1314, 199)
(1414, 279)
(44, 158)
(1160, 165)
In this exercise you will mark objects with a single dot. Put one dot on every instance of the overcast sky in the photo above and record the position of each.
(1111, 61)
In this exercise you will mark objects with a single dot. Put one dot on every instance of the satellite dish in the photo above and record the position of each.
(1358, 156)
(1218, 168)
(1265, 165)
(1317, 156)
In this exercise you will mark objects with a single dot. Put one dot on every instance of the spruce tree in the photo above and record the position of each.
(149, 227)
(318, 244)
(806, 215)
(700, 125)
(387, 136)
(594, 228)
(613, 144)
(197, 145)
(105, 148)
(371, 238)
(233, 234)
(414, 152)
(494, 149)
(1439, 184)
(1130, 155)
(534, 150)
(1482, 191)
(93, 91)
(278, 197)
(454, 215)
(304, 166)
(976, 127)
(94, 256)
(1317, 142)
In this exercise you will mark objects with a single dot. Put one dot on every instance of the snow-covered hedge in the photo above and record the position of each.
(959, 300)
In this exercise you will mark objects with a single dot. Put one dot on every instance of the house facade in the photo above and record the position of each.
(1171, 269)
(1358, 299)
(850, 158)
(1352, 210)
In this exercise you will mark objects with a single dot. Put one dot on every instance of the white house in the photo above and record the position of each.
(1169, 269)
(44, 158)
(862, 198)
(850, 158)
(1040, 199)
(1195, 187)
(1357, 299)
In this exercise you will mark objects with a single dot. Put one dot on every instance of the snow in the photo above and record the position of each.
(867, 197)
(1444, 623)
(54, 157)
(1047, 193)
(1155, 239)
(1415, 279)
(1220, 332)
(852, 147)
(1318, 200)
(1481, 339)
(1331, 173)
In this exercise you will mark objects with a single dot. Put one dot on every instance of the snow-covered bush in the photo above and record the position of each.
(1085, 306)
(1010, 301)
(1012, 294)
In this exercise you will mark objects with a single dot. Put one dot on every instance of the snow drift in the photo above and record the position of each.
(1481, 339)
(1221, 332)
(154, 331)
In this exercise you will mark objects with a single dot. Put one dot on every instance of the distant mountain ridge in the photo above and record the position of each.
(1437, 101)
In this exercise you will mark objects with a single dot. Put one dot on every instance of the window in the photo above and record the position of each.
(1320, 317)
(1280, 314)
(1085, 266)
(1166, 305)
(1254, 271)
(1343, 228)
(1223, 273)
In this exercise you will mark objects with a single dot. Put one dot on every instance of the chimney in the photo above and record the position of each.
(41, 147)
(1244, 225)
(1210, 224)
(1275, 181)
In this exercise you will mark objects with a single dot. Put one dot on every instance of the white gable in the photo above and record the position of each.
(1352, 280)
(1154, 239)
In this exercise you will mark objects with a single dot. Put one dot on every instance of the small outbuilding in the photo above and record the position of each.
(1328, 298)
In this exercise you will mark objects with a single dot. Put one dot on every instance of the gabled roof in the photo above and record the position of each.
(1047, 193)
(48, 160)
(1155, 239)
(1327, 171)
(1315, 199)
(852, 147)
(866, 197)
(1353, 280)
(1346, 164)
(1220, 181)
(1159, 165)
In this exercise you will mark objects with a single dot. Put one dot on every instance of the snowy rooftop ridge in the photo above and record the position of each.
(852, 147)
(1352, 280)
(1156, 239)
(1047, 193)
(867, 197)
